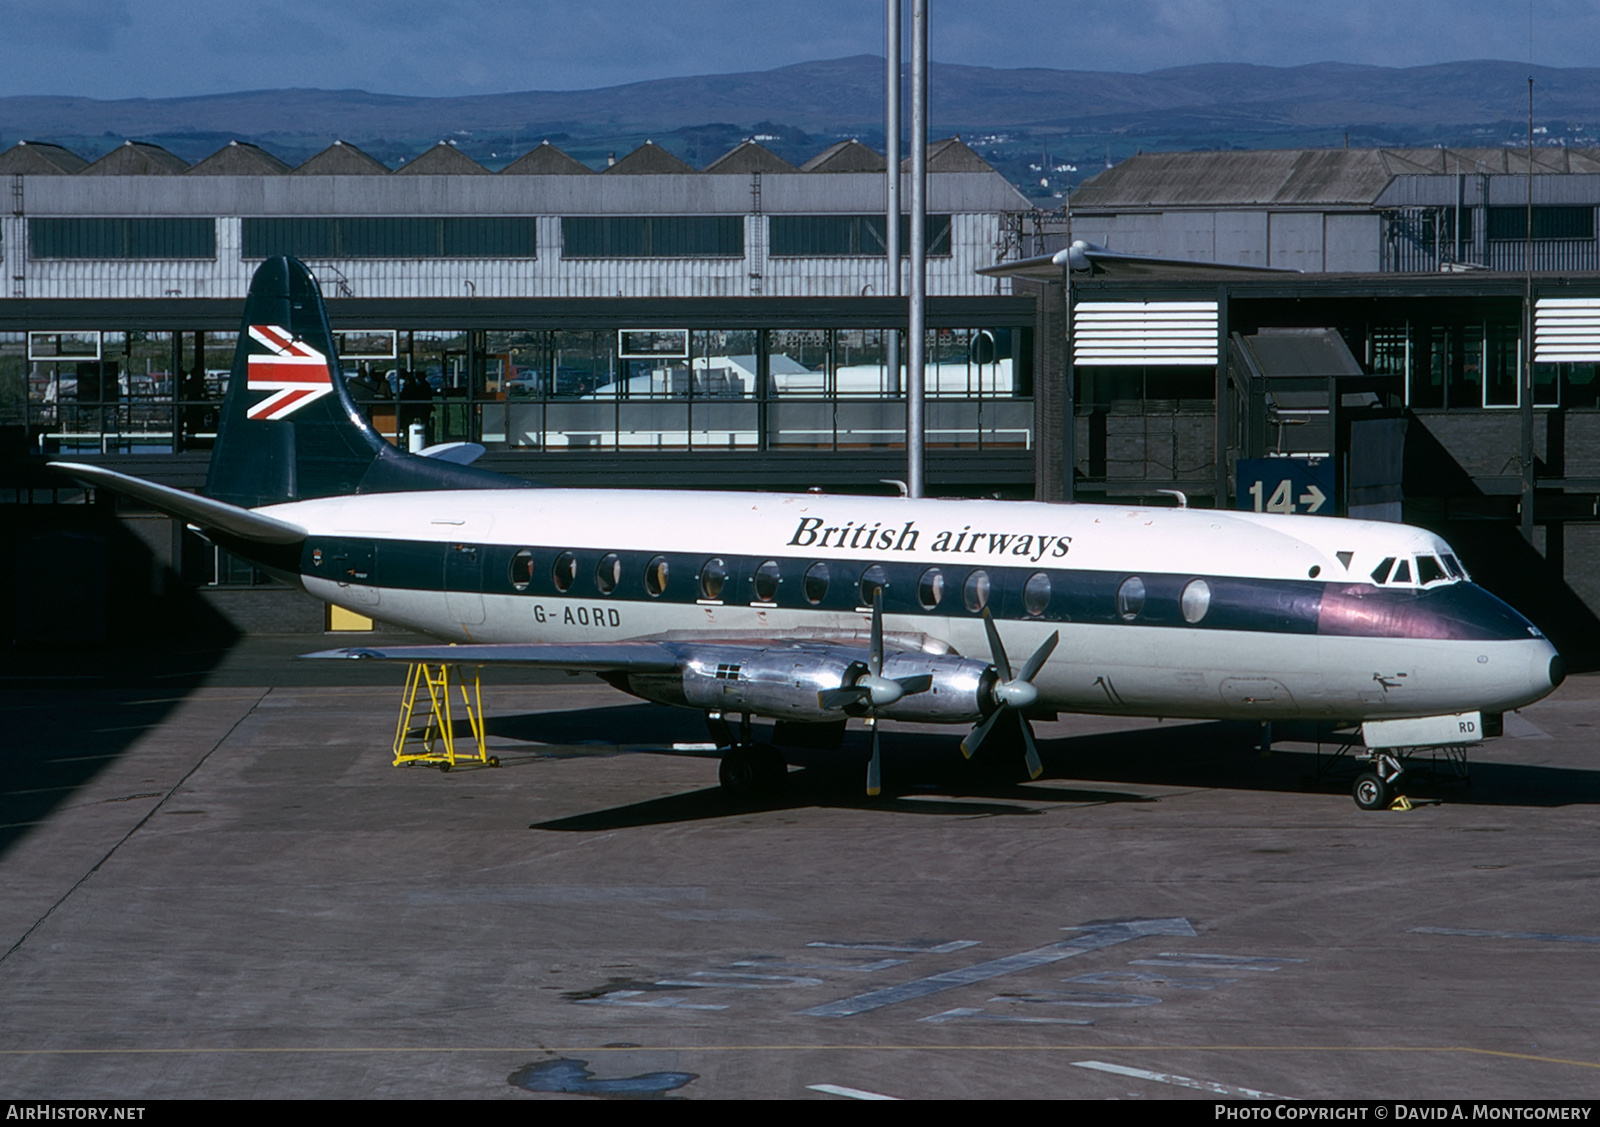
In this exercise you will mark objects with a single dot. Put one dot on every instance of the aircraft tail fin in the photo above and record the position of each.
(290, 429)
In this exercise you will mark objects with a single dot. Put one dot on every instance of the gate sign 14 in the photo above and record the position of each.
(1285, 485)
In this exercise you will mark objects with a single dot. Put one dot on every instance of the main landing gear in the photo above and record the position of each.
(749, 770)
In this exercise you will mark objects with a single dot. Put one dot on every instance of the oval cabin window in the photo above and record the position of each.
(656, 573)
(564, 571)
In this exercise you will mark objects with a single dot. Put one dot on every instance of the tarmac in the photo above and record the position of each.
(214, 884)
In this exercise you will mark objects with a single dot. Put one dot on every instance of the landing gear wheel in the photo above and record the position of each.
(1371, 792)
(752, 772)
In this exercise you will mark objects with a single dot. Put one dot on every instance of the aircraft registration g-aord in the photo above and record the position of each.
(811, 609)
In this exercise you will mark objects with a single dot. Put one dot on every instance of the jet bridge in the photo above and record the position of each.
(1299, 393)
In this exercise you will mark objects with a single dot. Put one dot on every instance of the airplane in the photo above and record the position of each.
(813, 609)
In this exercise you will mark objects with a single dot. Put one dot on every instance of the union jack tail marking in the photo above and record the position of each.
(291, 369)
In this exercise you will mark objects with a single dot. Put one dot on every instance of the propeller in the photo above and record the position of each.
(872, 691)
(1012, 695)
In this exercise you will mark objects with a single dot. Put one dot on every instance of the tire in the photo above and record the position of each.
(737, 773)
(752, 773)
(1371, 792)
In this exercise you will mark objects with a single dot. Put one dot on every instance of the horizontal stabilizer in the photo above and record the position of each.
(201, 511)
(590, 657)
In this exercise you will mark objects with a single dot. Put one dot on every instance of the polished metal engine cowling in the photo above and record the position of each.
(785, 682)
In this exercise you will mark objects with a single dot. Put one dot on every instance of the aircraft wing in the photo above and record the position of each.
(197, 510)
(587, 657)
(1089, 258)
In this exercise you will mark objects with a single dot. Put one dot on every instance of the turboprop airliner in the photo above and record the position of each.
(813, 609)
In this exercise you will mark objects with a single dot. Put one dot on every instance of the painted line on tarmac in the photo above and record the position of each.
(1474, 933)
(969, 1013)
(907, 948)
(849, 1093)
(1180, 1081)
(1095, 938)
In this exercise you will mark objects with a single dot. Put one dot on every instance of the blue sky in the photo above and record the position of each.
(168, 48)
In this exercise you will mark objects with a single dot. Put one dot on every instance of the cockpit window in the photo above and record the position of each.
(1380, 574)
(1429, 570)
(1455, 566)
(1402, 572)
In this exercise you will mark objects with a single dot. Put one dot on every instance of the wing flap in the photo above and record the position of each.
(591, 657)
(197, 510)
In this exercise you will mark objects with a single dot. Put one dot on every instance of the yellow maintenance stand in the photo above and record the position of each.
(429, 699)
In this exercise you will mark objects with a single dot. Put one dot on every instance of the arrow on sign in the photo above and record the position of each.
(1313, 498)
(1096, 936)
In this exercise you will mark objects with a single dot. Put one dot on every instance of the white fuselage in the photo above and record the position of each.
(438, 562)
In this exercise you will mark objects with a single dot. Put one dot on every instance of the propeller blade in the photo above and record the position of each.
(918, 684)
(875, 655)
(997, 649)
(979, 733)
(1035, 767)
(832, 699)
(874, 766)
(1040, 656)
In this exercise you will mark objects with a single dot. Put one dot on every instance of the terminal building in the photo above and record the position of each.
(654, 324)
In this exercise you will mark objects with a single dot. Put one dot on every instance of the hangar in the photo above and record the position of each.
(647, 323)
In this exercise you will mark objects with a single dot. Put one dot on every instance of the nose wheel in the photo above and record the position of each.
(1371, 792)
(1376, 789)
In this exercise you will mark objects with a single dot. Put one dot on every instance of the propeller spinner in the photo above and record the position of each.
(1012, 695)
(872, 691)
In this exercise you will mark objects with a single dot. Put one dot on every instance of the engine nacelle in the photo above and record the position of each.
(961, 692)
(785, 682)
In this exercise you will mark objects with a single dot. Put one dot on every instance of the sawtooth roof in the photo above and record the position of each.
(546, 160)
(846, 156)
(137, 158)
(342, 159)
(240, 158)
(649, 159)
(749, 157)
(443, 159)
(951, 155)
(40, 158)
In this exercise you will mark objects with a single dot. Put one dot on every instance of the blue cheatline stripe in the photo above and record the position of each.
(1274, 606)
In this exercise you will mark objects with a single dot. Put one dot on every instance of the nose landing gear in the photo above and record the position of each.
(1376, 789)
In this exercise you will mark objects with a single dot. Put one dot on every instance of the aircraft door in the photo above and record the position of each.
(463, 583)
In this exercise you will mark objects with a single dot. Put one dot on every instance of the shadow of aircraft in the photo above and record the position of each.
(925, 774)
